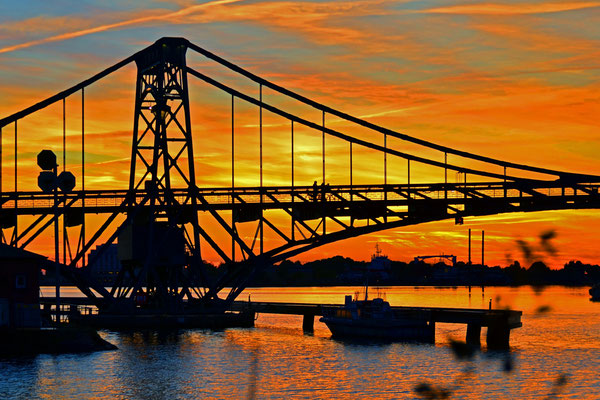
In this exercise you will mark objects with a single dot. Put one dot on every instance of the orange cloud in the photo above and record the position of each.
(301, 17)
(512, 9)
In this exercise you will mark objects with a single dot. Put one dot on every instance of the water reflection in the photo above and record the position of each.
(276, 360)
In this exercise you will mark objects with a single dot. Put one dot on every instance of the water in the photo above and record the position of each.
(276, 360)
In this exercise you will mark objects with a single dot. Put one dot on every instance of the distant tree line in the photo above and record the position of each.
(340, 271)
(343, 271)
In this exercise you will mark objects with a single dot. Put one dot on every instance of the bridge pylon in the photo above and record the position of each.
(159, 243)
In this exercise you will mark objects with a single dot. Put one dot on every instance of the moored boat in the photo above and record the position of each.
(375, 318)
(595, 292)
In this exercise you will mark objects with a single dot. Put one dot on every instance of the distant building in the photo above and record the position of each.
(106, 265)
(379, 270)
(19, 287)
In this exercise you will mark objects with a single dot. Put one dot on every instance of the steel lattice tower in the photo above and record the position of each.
(160, 248)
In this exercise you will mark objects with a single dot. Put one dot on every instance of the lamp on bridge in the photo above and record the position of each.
(46, 160)
(50, 182)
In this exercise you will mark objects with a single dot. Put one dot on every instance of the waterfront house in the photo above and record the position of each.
(19, 287)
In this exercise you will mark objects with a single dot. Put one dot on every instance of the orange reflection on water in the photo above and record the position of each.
(276, 360)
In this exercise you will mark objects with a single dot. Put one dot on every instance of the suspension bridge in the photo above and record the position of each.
(161, 218)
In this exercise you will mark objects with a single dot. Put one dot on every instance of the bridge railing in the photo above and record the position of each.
(277, 197)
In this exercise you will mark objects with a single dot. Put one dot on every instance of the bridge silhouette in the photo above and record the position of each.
(155, 219)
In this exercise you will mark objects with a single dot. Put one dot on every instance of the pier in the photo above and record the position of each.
(499, 323)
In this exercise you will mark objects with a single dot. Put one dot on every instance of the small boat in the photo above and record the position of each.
(595, 292)
(375, 318)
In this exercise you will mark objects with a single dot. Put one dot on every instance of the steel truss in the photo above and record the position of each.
(161, 206)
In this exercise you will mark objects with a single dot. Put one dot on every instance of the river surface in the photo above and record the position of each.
(556, 351)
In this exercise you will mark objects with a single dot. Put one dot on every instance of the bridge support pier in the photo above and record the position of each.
(498, 336)
(308, 323)
(474, 334)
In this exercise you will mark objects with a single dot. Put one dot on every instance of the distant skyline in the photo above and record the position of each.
(514, 80)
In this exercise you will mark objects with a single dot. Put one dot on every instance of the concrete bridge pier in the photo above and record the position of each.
(308, 323)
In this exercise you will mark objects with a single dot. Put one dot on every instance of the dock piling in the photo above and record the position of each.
(308, 323)
(498, 336)
(474, 334)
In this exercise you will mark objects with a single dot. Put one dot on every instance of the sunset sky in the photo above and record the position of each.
(514, 80)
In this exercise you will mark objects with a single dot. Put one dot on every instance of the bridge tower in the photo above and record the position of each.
(159, 244)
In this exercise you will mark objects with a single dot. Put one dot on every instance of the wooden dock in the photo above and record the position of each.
(499, 323)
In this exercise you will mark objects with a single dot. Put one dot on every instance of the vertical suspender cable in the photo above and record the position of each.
(408, 175)
(385, 161)
(351, 174)
(1, 163)
(323, 145)
(64, 168)
(83, 173)
(385, 190)
(293, 222)
(445, 175)
(260, 138)
(232, 176)
(505, 182)
(64, 106)
(261, 173)
(323, 187)
(16, 231)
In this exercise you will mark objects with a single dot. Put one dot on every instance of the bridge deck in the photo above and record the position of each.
(103, 201)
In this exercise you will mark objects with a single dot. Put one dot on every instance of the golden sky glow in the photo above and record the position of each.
(515, 80)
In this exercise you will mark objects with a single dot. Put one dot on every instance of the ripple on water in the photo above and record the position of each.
(276, 360)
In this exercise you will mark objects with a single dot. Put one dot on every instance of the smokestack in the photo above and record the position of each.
(482, 246)
(469, 245)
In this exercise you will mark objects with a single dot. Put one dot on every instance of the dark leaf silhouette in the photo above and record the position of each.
(543, 309)
(559, 385)
(525, 249)
(545, 238)
(462, 350)
(508, 365)
(431, 392)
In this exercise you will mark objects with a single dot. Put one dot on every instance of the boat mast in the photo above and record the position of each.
(373, 257)
(367, 283)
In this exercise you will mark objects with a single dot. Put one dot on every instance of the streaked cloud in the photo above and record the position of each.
(513, 9)
(117, 25)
